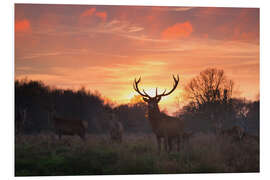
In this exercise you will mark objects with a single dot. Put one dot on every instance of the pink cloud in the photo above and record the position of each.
(88, 12)
(102, 15)
(92, 12)
(178, 30)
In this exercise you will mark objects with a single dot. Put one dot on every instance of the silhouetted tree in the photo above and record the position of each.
(209, 95)
(210, 86)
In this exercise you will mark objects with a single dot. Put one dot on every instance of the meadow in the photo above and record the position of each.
(46, 155)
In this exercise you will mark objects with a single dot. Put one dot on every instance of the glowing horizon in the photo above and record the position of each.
(105, 48)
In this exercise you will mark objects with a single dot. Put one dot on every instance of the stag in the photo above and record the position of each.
(20, 119)
(63, 126)
(164, 127)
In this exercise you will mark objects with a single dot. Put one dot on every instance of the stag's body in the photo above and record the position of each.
(165, 127)
(63, 126)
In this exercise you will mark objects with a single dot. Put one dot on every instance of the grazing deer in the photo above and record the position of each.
(163, 126)
(116, 129)
(63, 126)
(20, 119)
(235, 132)
(251, 137)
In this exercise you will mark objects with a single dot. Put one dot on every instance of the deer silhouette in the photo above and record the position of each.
(20, 119)
(62, 126)
(116, 128)
(164, 127)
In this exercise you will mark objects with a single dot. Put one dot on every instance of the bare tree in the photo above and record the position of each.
(210, 92)
(210, 86)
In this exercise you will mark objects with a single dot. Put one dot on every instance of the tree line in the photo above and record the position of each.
(210, 106)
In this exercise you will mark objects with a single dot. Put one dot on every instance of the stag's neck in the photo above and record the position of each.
(154, 118)
(153, 113)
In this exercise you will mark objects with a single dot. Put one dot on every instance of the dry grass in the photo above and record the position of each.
(205, 153)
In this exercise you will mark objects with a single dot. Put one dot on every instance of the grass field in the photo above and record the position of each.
(43, 155)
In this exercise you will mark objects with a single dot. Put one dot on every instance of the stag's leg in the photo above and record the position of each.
(82, 136)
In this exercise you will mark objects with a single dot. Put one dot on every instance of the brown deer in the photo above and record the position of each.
(20, 119)
(163, 126)
(186, 136)
(116, 129)
(236, 132)
(115, 126)
(63, 126)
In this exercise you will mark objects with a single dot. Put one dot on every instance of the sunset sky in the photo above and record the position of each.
(105, 47)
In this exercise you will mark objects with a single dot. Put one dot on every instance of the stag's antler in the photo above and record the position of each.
(144, 94)
(136, 88)
(176, 81)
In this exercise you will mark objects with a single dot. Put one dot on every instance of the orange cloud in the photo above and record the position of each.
(205, 35)
(22, 26)
(179, 30)
(93, 12)
(88, 12)
(102, 15)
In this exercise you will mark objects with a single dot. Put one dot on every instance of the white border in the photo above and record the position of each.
(7, 83)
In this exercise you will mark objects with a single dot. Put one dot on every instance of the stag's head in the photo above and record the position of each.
(153, 101)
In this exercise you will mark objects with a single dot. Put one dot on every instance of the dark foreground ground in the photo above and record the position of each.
(42, 155)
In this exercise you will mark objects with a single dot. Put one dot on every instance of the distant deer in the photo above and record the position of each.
(63, 126)
(186, 136)
(235, 132)
(163, 126)
(20, 119)
(116, 129)
(251, 137)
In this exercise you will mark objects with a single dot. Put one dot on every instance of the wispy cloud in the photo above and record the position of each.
(182, 8)
(45, 54)
(69, 52)
(166, 8)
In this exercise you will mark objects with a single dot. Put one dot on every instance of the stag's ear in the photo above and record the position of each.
(145, 99)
